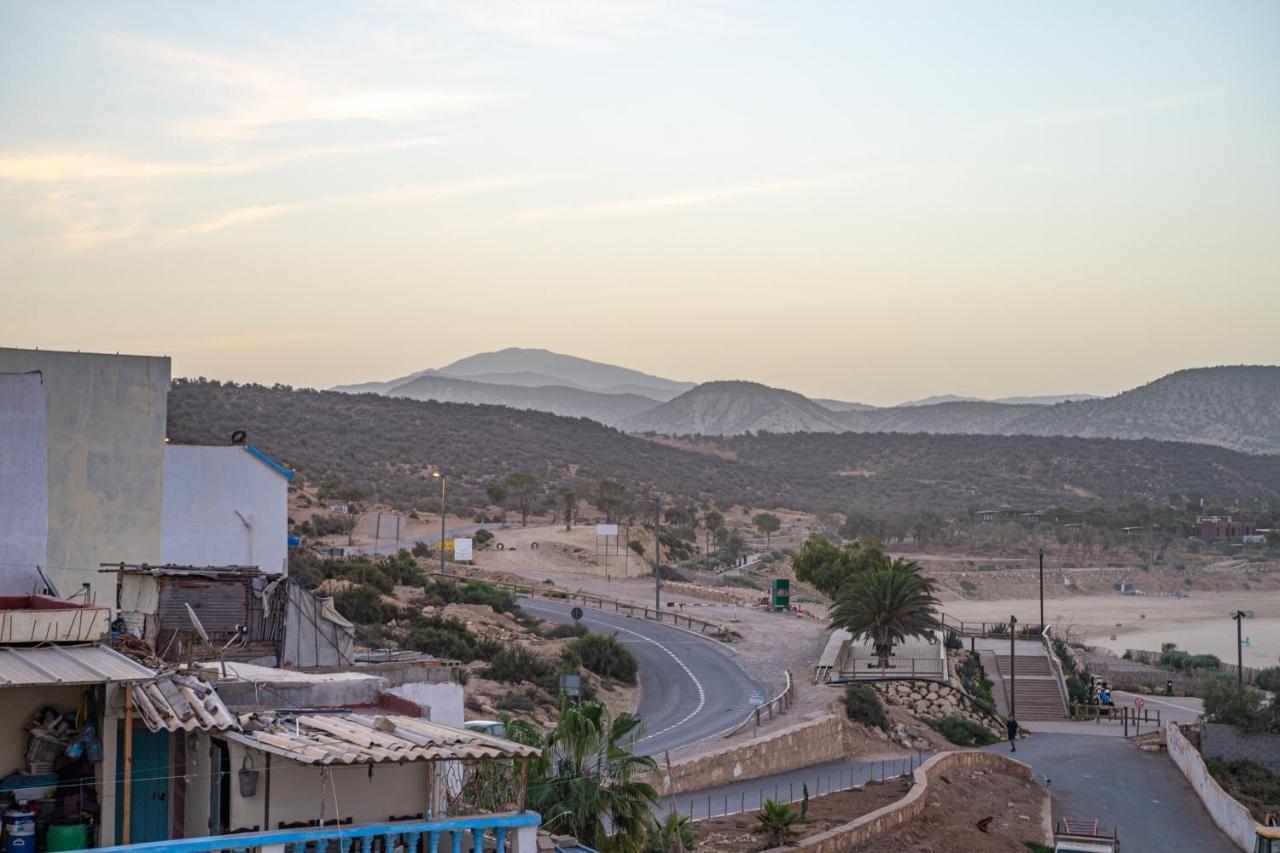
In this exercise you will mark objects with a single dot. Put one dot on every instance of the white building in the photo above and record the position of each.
(224, 506)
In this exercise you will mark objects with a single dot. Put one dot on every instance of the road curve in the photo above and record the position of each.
(690, 688)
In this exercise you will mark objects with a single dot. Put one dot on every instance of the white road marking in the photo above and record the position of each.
(702, 696)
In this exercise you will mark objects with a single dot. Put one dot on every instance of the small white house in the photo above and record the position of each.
(224, 506)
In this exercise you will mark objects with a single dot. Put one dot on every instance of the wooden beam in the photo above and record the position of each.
(126, 808)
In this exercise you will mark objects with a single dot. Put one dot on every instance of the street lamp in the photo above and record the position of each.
(1041, 590)
(1013, 668)
(657, 555)
(439, 474)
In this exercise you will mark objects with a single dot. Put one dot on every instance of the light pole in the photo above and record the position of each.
(1041, 590)
(1239, 616)
(1013, 668)
(657, 556)
(439, 473)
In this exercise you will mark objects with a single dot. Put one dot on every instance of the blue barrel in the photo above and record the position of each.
(19, 831)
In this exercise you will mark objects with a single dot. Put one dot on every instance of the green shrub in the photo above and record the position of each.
(1268, 679)
(514, 701)
(1180, 661)
(954, 642)
(569, 631)
(449, 638)
(1255, 787)
(514, 664)
(862, 705)
(606, 657)
(741, 581)
(974, 678)
(363, 605)
(963, 732)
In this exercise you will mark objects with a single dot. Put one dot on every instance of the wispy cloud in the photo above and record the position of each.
(582, 24)
(1151, 105)
(411, 194)
(653, 204)
(77, 222)
(65, 167)
(255, 97)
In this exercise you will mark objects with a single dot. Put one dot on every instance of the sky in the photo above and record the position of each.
(865, 201)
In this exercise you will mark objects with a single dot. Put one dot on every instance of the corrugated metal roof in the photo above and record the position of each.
(181, 703)
(358, 739)
(22, 667)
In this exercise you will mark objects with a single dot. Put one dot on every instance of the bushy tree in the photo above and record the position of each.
(768, 524)
(887, 605)
(524, 488)
(827, 567)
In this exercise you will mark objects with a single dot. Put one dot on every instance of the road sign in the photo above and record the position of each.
(1139, 702)
(462, 550)
(576, 613)
(606, 530)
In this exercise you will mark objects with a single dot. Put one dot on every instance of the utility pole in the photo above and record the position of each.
(439, 472)
(1041, 590)
(1013, 668)
(657, 555)
(1239, 617)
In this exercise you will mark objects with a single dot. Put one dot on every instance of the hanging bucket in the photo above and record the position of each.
(248, 777)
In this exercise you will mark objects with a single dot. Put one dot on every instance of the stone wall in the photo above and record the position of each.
(1231, 817)
(815, 742)
(932, 700)
(851, 835)
(1228, 742)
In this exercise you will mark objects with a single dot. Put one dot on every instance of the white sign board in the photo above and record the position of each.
(462, 549)
(606, 530)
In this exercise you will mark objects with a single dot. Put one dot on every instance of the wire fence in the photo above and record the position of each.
(748, 801)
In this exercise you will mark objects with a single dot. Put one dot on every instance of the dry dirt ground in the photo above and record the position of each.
(1014, 805)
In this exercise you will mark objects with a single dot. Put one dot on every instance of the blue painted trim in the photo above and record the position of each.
(246, 840)
(270, 463)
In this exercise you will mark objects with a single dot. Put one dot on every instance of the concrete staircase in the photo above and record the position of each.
(1037, 690)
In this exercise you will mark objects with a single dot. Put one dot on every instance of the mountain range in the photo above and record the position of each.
(1236, 407)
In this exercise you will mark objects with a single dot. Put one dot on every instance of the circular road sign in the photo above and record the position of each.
(1138, 702)
(576, 613)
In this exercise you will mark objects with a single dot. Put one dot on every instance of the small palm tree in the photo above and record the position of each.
(584, 783)
(673, 834)
(887, 605)
(776, 824)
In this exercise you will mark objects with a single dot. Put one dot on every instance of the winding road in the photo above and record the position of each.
(690, 688)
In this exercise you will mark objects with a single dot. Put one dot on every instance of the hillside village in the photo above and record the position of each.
(196, 620)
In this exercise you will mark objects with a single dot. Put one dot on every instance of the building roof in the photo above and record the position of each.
(359, 739)
(51, 665)
(181, 703)
(269, 462)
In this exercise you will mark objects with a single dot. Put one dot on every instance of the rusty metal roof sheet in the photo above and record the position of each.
(359, 739)
(181, 703)
(48, 665)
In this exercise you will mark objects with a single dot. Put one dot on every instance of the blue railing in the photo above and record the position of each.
(420, 836)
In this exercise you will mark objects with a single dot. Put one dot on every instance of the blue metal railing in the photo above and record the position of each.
(415, 836)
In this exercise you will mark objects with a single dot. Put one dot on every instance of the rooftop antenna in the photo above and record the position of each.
(240, 636)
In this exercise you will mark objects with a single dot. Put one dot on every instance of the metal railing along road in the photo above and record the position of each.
(781, 702)
(496, 832)
(869, 669)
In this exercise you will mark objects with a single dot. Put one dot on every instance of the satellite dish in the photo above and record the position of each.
(195, 621)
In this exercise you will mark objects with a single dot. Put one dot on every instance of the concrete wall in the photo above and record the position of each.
(1221, 741)
(297, 791)
(866, 828)
(444, 700)
(1230, 816)
(24, 483)
(105, 417)
(815, 742)
(204, 489)
(18, 705)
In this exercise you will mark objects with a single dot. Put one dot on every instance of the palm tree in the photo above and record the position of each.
(776, 824)
(585, 783)
(887, 605)
(673, 834)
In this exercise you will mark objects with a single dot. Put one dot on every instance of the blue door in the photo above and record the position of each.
(149, 806)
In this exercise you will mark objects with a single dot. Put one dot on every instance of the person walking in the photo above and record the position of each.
(1012, 727)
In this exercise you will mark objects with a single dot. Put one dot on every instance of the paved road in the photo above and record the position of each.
(1142, 794)
(690, 688)
(430, 538)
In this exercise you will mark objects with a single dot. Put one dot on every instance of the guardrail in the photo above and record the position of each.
(1126, 715)
(634, 611)
(514, 831)
(869, 669)
(1029, 629)
(1054, 662)
(781, 702)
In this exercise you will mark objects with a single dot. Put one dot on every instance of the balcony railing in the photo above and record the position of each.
(513, 831)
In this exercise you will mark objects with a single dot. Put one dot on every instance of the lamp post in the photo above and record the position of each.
(1041, 590)
(439, 474)
(1239, 616)
(657, 556)
(1013, 668)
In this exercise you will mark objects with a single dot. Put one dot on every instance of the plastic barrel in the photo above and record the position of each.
(66, 836)
(19, 831)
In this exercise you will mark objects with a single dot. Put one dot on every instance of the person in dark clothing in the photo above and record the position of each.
(1012, 727)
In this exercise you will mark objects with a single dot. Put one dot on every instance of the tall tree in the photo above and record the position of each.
(768, 524)
(587, 781)
(524, 487)
(828, 567)
(497, 495)
(887, 605)
(611, 500)
(712, 522)
(569, 504)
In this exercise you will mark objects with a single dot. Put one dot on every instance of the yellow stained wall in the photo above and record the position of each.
(106, 421)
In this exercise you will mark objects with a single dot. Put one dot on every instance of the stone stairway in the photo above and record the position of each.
(1037, 691)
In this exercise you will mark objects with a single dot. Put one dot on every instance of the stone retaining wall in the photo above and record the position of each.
(815, 742)
(866, 828)
(932, 700)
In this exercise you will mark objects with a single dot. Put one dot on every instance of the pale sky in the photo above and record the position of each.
(869, 201)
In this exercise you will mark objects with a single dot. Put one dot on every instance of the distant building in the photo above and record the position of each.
(1216, 528)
